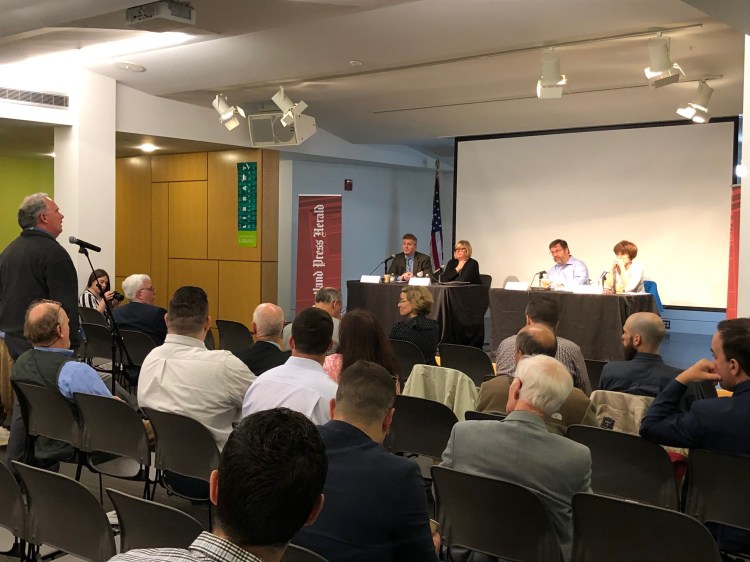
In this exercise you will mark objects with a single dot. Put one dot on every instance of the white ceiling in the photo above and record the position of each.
(431, 69)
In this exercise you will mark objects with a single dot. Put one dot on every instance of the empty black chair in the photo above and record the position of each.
(471, 361)
(92, 316)
(618, 530)
(594, 370)
(12, 509)
(65, 515)
(420, 426)
(408, 355)
(98, 342)
(296, 553)
(628, 466)
(494, 517)
(486, 416)
(147, 524)
(138, 344)
(234, 336)
(486, 280)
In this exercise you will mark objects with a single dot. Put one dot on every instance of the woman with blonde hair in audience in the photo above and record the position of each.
(361, 337)
(414, 305)
(625, 275)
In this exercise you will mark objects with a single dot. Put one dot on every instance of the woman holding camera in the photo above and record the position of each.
(92, 297)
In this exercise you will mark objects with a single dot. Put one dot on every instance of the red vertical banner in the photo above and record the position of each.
(318, 246)
(734, 252)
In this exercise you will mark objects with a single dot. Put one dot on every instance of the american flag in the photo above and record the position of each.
(436, 240)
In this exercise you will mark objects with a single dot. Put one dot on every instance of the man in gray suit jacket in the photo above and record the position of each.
(410, 263)
(521, 450)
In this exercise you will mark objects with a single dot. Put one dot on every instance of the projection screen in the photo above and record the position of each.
(667, 188)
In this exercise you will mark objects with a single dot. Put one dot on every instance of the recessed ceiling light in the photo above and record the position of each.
(129, 66)
(147, 147)
(356, 63)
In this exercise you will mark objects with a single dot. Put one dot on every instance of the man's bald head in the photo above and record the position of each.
(644, 332)
(47, 325)
(535, 339)
(268, 322)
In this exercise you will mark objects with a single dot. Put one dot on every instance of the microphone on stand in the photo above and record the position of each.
(385, 261)
(82, 244)
(539, 274)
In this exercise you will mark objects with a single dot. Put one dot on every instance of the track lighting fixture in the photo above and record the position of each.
(550, 85)
(228, 115)
(662, 71)
(697, 110)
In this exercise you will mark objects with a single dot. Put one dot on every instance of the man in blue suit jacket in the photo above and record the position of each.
(375, 503)
(140, 314)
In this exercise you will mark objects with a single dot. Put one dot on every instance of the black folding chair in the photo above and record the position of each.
(13, 512)
(471, 361)
(619, 530)
(486, 280)
(594, 369)
(494, 517)
(408, 355)
(209, 341)
(234, 336)
(628, 466)
(296, 553)
(483, 416)
(147, 524)
(420, 426)
(92, 316)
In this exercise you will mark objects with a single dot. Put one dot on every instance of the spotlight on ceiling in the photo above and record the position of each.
(550, 85)
(662, 70)
(290, 109)
(697, 110)
(228, 114)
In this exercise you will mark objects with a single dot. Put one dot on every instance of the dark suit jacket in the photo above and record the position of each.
(262, 356)
(375, 503)
(469, 272)
(422, 262)
(142, 317)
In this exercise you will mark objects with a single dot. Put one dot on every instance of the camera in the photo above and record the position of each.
(117, 296)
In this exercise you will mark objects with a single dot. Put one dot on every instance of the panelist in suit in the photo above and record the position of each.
(375, 501)
(140, 314)
(265, 353)
(409, 263)
(462, 267)
(521, 450)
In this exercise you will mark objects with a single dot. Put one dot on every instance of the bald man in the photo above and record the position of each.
(644, 372)
(265, 353)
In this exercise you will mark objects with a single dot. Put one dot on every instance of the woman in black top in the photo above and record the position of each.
(462, 267)
(415, 304)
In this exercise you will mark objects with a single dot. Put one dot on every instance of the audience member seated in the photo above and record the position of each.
(546, 311)
(183, 377)
(49, 364)
(330, 300)
(268, 485)
(462, 267)
(625, 275)
(300, 384)
(522, 451)
(265, 353)
(537, 339)
(92, 297)
(140, 314)
(362, 337)
(375, 502)
(414, 306)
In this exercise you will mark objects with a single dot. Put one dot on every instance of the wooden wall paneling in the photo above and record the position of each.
(159, 270)
(222, 205)
(269, 281)
(239, 290)
(270, 217)
(198, 273)
(179, 167)
(132, 215)
(116, 283)
(187, 220)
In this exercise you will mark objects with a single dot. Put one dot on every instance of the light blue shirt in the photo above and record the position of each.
(77, 377)
(574, 272)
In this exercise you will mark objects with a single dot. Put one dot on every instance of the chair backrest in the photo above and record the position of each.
(483, 416)
(147, 524)
(98, 341)
(183, 445)
(296, 553)
(111, 426)
(92, 316)
(12, 509)
(486, 280)
(622, 531)
(138, 345)
(46, 413)
(650, 287)
(420, 426)
(494, 517)
(628, 466)
(469, 360)
(712, 493)
(594, 370)
(408, 355)
(209, 341)
(234, 336)
(65, 515)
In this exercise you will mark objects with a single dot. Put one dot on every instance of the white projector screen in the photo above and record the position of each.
(665, 188)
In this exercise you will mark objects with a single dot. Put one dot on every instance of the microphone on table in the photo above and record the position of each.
(603, 277)
(385, 261)
(82, 244)
(539, 274)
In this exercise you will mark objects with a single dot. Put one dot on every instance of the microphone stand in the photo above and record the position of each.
(385, 265)
(114, 330)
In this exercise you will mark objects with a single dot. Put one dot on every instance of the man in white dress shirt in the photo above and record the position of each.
(183, 377)
(300, 384)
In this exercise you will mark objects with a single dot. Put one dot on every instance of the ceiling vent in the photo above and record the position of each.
(44, 99)
(166, 15)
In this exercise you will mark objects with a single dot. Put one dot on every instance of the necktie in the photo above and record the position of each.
(409, 264)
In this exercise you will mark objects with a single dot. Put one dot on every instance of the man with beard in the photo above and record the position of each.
(643, 372)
